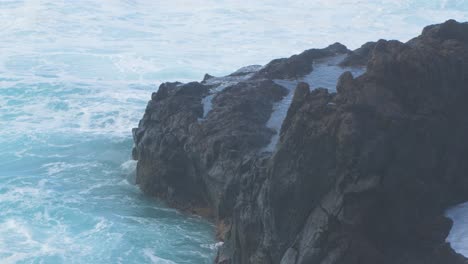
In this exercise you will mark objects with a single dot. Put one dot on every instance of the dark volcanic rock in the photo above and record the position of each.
(358, 177)
(298, 65)
(187, 161)
(164, 167)
(361, 56)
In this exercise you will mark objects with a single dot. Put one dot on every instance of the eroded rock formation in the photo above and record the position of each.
(360, 176)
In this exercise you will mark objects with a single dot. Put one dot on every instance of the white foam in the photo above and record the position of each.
(55, 168)
(100, 227)
(26, 196)
(129, 166)
(214, 246)
(458, 236)
(18, 242)
(155, 259)
(110, 109)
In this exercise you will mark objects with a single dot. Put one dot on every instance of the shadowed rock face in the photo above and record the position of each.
(361, 176)
(188, 161)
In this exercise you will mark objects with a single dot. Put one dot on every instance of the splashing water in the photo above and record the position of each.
(458, 236)
(75, 77)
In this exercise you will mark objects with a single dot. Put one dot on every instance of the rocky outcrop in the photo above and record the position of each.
(359, 56)
(298, 65)
(361, 176)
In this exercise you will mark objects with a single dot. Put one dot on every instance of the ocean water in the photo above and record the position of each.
(75, 77)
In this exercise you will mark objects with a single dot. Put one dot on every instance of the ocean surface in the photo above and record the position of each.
(75, 77)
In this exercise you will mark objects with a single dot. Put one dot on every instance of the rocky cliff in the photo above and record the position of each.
(360, 174)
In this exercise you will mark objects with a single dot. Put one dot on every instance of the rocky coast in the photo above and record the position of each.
(330, 156)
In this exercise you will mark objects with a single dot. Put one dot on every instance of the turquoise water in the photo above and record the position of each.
(75, 77)
(66, 192)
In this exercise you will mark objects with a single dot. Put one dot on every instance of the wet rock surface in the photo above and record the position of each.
(361, 176)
